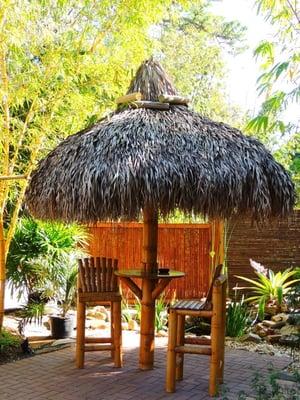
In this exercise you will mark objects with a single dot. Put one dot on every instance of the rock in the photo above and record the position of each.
(262, 333)
(289, 330)
(133, 325)
(98, 324)
(251, 337)
(98, 312)
(273, 338)
(273, 324)
(290, 340)
(47, 325)
(59, 342)
(288, 385)
(286, 376)
(51, 310)
(294, 319)
(162, 333)
(280, 317)
(261, 330)
(125, 326)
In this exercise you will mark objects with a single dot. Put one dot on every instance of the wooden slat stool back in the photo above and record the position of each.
(214, 307)
(98, 285)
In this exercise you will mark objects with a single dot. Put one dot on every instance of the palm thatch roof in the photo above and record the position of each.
(169, 159)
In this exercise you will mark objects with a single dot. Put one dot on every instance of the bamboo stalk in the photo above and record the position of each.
(147, 326)
(23, 184)
(98, 347)
(109, 274)
(150, 236)
(128, 98)
(163, 283)
(194, 349)
(98, 340)
(132, 286)
(154, 105)
(198, 340)
(222, 333)
(196, 313)
(80, 334)
(81, 281)
(2, 274)
(117, 331)
(12, 177)
(112, 328)
(166, 98)
(216, 325)
(115, 279)
(103, 273)
(150, 232)
(92, 270)
(6, 113)
(98, 273)
(180, 342)
(171, 355)
(87, 274)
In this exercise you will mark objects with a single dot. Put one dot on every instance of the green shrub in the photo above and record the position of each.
(269, 287)
(161, 313)
(293, 296)
(8, 340)
(237, 316)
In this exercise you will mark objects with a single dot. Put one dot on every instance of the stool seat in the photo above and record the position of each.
(191, 305)
(98, 285)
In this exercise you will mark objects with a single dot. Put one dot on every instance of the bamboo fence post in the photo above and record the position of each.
(171, 355)
(150, 229)
(216, 328)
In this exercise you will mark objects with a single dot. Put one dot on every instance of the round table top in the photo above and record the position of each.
(140, 273)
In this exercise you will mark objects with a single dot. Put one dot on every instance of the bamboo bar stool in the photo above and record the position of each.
(98, 285)
(214, 307)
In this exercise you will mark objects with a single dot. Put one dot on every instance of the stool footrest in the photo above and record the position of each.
(98, 340)
(194, 349)
(197, 340)
(99, 347)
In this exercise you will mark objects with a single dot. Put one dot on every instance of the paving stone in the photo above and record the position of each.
(54, 376)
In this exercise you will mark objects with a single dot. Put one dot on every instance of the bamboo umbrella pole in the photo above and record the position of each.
(150, 229)
(150, 233)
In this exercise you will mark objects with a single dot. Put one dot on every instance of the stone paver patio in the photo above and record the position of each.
(53, 375)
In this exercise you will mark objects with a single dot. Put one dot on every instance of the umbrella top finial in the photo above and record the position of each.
(151, 81)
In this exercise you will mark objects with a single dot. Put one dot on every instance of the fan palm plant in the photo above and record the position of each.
(40, 256)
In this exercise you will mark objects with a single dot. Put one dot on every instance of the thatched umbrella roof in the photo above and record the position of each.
(139, 157)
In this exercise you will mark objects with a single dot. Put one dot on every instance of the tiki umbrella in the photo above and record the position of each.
(154, 155)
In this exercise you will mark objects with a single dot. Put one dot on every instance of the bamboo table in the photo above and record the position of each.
(152, 286)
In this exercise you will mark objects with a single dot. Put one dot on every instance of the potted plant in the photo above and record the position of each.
(62, 325)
